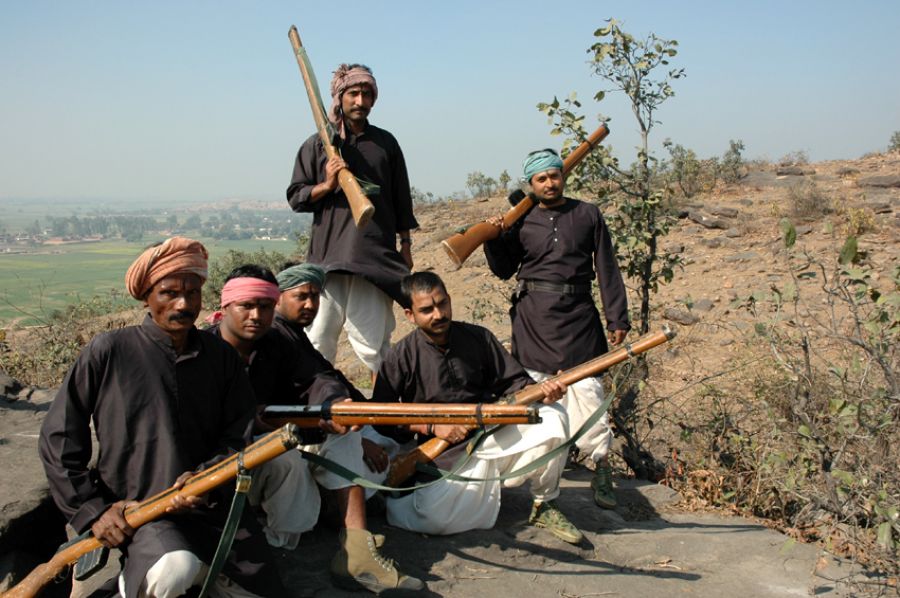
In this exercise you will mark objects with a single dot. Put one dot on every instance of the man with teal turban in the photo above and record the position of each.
(358, 563)
(556, 251)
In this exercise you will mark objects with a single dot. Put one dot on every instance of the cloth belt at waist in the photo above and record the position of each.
(555, 287)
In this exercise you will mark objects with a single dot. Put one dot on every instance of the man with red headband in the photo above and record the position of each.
(364, 267)
(287, 487)
(165, 400)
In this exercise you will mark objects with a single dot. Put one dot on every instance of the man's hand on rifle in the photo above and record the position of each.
(375, 457)
(332, 428)
(112, 529)
(451, 433)
(183, 503)
(553, 390)
(616, 337)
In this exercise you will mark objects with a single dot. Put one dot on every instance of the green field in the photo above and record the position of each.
(33, 285)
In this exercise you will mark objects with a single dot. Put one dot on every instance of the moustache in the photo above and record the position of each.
(183, 315)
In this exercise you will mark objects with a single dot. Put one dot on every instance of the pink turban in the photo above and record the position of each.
(344, 77)
(173, 256)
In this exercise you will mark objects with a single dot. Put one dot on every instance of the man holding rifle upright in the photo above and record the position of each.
(364, 266)
(443, 361)
(283, 373)
(165, 400)
(555, 251)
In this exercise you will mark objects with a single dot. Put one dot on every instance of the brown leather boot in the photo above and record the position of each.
(359, 565)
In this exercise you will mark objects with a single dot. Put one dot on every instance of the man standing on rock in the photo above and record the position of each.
(165, 400)
(555, 251)
(364, 266)
(287, 487)
(443, 361)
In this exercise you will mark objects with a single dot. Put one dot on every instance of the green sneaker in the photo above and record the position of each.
(602, 486)
(549, 517)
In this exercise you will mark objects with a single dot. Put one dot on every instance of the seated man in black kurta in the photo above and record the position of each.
(287, 487)
(455, 362)
(166, 400)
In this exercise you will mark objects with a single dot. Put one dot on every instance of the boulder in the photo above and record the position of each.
(707, 221)
(704, 305)
(889, 180)
(794, 171)
(680, 316)
(9, 386)
(723, 211)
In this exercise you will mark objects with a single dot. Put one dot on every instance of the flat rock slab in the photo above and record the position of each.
(640, 549)
(890, 180)
(23, 485)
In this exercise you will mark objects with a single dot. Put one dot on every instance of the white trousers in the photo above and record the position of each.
(352, 303)
(176, 572)
(450, 507)
(287, 486)
(581, 401)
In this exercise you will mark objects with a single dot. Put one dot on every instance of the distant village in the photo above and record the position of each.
(224, 221)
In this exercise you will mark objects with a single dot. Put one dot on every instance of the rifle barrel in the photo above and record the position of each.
(350, 413)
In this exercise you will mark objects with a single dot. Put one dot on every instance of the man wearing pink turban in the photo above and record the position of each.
(364, 267)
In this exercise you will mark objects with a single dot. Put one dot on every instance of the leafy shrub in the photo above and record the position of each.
(221, 267)
(733, 168)
(860, 221)
(813, 441)
(895, 142)
(41, 355)
(690, 174)
(795, 158)
(807, 200)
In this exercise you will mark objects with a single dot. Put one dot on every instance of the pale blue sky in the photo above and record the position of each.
(203, 100)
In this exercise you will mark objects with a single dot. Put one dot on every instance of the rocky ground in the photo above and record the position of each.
(731, 244)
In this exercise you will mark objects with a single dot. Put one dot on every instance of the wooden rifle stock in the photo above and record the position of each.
(266, 448)
(349, 413)
(404, 466)
(360, 205)
(461, 245)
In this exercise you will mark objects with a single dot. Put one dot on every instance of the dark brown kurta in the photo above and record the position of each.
(567, 244)
(156, 415)
(335, 243)
(474, 368)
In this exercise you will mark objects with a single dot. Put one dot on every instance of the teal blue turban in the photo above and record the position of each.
(540, 161)
(300, 274)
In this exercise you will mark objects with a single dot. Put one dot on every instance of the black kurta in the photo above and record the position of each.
(335, 243)
(316, 379)
(156, 415)
(563, 245)
(474, 368)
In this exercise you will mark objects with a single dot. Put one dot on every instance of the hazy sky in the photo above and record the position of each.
(202, 100)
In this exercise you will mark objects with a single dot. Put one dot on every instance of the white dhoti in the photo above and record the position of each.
(287, 487)
(176, 572)
(450, 507)
(352, 303)
(581, 401)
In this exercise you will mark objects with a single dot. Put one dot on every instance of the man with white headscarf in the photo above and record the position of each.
(364, 267)
(556, 251)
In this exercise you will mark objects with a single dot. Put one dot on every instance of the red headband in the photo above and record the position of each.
(247, 287)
